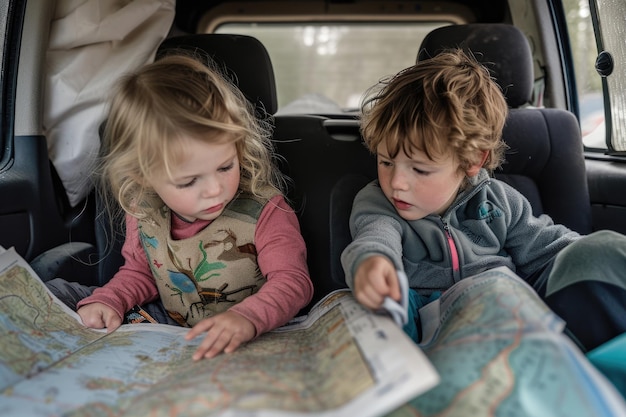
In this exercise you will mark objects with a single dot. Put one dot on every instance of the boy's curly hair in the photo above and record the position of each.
(446, 104)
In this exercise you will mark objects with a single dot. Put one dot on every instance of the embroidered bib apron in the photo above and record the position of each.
(208, 273)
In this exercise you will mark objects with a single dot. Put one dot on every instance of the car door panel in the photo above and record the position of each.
(607, 182)
(33, 214)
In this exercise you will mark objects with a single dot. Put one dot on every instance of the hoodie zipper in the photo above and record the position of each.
(454, 254)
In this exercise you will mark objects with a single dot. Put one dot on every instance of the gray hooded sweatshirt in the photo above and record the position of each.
(489, 224)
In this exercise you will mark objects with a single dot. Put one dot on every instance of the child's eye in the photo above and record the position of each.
(187, 184)
(420, 172)
(385, 163)
(226, 168)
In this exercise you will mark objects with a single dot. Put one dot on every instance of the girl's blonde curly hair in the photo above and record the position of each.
(152, 109)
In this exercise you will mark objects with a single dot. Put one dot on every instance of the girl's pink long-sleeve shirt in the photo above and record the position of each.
(281, 255)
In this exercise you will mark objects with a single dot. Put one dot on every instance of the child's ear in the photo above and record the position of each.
(473, 169)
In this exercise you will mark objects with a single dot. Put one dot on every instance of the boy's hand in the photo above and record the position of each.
(374, 280)
(99, 316)
(225, 333)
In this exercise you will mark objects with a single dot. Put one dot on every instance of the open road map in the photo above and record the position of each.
(340, 360)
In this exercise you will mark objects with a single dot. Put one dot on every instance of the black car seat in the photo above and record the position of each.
(545, 160)
(317, 153)
(243, 58)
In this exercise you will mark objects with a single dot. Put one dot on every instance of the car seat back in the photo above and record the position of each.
(320, 154)
(545, 160)
(243, 58)
(501, 48)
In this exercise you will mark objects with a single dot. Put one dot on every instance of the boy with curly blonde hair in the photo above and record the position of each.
(436, 213)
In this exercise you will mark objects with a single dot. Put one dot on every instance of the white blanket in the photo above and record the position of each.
(92, 43)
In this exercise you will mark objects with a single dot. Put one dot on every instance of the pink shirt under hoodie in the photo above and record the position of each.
(281, 255)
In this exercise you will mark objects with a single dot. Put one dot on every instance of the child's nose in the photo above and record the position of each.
(210, 188)
(398, 180)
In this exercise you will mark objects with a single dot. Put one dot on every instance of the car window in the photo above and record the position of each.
(588, 81)
(596, 31)
(324, 67)
(610, 23)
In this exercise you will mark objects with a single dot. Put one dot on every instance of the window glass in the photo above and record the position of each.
(328, 63)
(611, 15)
(588, 82)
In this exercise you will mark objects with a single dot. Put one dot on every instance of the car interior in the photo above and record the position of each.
(556, 64)
(319, 150)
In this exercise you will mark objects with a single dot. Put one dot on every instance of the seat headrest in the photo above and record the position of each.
(500, 47)
(244, 58)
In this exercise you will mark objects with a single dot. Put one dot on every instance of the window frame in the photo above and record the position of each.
(11, 34)
(600, 31)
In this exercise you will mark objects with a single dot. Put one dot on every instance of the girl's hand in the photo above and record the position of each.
(375, 279)
(225, 333)
(99, 316)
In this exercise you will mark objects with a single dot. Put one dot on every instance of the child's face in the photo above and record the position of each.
(416, 185)
(203, 182)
